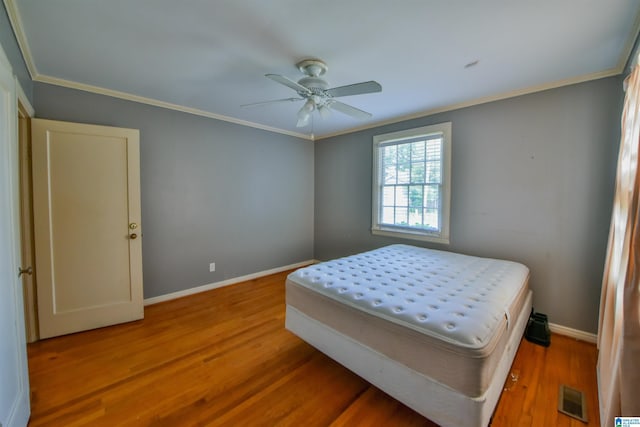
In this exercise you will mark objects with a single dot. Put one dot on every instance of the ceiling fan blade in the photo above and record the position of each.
(288, 82)
(349, 110)
(355, 89)
(275, 101)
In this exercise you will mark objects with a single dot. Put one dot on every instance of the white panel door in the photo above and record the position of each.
(14, 376)
(86, 204)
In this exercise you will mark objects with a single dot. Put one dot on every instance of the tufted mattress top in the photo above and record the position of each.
(432, 310)
(458, 298)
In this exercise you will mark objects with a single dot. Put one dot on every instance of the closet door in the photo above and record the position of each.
(86, 200)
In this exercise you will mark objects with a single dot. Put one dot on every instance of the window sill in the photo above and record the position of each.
(407, 234)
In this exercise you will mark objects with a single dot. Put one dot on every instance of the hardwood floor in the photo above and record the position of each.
(223, 357)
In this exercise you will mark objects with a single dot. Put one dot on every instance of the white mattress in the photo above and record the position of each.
(442, 314)
(457, 298)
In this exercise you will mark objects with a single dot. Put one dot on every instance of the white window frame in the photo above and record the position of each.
(407, 232)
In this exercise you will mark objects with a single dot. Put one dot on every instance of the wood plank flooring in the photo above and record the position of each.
(223, 357)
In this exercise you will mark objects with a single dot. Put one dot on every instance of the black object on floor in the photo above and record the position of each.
(538, 329)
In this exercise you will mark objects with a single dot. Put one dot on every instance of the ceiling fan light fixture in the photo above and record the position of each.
(302, 122)
(305, 113)
(308, 107)
(324, 111)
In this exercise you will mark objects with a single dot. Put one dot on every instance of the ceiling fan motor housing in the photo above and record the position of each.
(312, 67)
(313, 83)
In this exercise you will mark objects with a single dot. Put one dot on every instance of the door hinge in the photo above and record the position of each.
(21, 271)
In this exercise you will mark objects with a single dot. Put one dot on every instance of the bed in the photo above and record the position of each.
(434, 329)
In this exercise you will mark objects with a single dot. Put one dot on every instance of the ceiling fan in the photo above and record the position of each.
(319, 97)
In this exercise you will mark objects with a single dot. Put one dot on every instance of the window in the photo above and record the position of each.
(411, 183)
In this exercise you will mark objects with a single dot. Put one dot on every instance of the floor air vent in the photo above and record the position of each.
(572, 403)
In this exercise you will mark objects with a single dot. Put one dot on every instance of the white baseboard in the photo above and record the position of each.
(573, 333)
(558, 329)
(215, 285)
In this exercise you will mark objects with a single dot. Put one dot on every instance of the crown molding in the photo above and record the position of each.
(16, 23)
(4, 60)
(162, 104)
(628, 50)
(23, 101)
(189, 110)
(21, 37)
(23, 44)
(479, 101)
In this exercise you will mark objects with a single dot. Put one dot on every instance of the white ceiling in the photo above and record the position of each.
(209, 57)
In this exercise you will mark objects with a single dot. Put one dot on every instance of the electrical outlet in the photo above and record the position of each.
(212, 267)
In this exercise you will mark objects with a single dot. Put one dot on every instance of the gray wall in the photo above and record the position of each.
(532, 181)
(11, 48)
(212, 191)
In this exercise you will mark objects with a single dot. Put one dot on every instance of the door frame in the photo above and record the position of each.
(25, 113)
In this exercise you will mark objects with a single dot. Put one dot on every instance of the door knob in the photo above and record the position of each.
(28, 270)
(133, 236)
